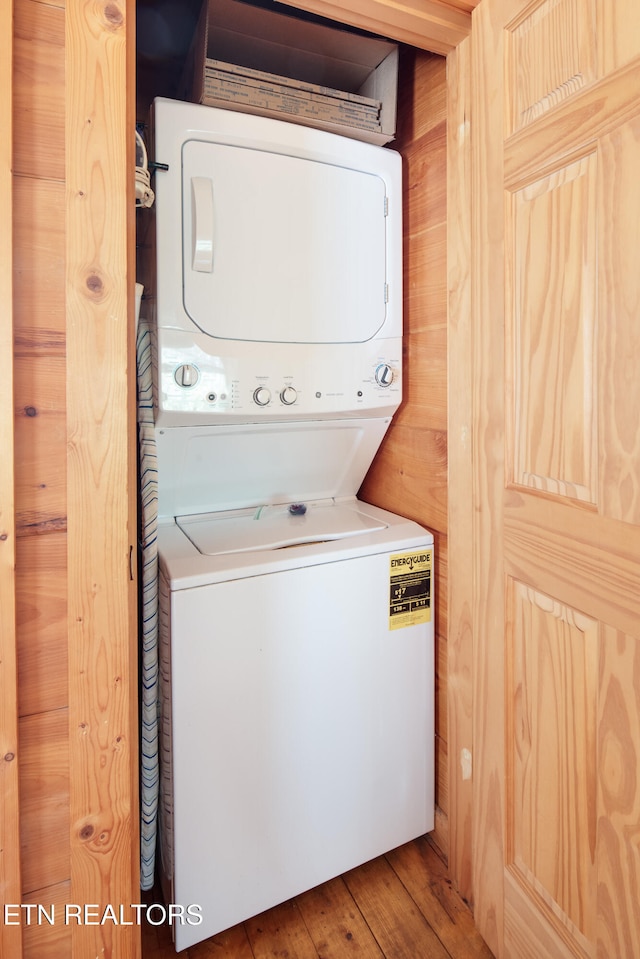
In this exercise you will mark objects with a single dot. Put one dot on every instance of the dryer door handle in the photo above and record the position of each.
(202, 224)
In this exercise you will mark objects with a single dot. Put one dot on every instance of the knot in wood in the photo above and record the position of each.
(9, 757)
(30, 411)
(113, 14)
(86, 832)
(94, 284)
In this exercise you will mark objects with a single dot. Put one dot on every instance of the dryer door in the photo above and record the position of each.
(281, 249)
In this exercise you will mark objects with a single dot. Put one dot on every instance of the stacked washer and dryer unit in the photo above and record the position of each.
(296, 620)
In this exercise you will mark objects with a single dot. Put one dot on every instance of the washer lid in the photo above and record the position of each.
(275, 527)
(213, 469)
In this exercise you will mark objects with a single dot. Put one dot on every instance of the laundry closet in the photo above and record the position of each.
(275, 342)
(74, 430)
(401, 474)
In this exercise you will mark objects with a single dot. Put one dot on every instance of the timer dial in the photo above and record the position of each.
(186, 375)
(384, 375)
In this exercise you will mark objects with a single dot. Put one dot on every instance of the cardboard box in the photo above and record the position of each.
(268, 91)
(333, 76)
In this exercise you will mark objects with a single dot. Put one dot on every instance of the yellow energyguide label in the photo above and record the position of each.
(410, 588)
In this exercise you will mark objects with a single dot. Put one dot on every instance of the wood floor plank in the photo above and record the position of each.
(396, 922)
(335, 923)
(156, 943)
(424, 876)
(401, 906)
(231, 944)
(280, 931)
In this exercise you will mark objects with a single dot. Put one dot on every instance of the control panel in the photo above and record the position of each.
(240, 383)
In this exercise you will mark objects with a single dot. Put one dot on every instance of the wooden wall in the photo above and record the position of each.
(75, 595)
(409, 475)
(40, 461)
(10, 936)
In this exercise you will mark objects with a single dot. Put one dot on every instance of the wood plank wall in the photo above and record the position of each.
(40, 462)
(409, 475)
(102, 471)
(94, 573)
(10, 935)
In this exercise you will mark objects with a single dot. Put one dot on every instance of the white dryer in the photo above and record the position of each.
(296, 622)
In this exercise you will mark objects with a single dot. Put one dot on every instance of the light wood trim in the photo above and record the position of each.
(486, 604)
(460, 521)
(99, 127)
(10, 935)
(426, 24)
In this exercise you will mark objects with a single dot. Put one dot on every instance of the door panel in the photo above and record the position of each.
(557, 479)
(551, 761)
(619, 310)
(552, 326)
(620, 29)
(618, 850)
(549, 56)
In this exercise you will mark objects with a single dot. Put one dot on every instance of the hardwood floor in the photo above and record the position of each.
(400, 906)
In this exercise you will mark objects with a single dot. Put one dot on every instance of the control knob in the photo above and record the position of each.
(261, 396)
(186, 375)
(289, 395)
(384, 375)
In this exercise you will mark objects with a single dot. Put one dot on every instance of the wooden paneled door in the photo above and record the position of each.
(556, 355)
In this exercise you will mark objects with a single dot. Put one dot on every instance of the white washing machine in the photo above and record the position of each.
(296, 621)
